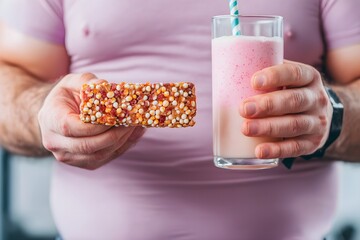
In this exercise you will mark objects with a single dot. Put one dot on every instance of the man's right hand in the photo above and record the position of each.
(73, 142)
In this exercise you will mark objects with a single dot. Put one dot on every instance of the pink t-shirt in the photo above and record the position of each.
(166, 187)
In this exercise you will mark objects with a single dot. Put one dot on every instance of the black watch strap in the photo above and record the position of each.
(335, 129)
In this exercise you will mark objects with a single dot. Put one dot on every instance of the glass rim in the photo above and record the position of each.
(269, 17)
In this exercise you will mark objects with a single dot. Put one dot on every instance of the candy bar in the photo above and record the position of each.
(147, 104)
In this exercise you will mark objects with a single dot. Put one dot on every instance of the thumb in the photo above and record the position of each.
(75, 81)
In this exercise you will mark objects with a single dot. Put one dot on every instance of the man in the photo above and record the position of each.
(166, 187)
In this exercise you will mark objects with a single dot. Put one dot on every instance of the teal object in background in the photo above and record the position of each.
(4, 173)
(24, 197)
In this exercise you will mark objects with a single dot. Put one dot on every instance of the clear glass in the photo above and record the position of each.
(234, 60)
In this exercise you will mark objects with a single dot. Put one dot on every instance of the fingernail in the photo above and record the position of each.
(263, 152)
(253, 128)
(258, 81)
(250, 109)
(250, 129)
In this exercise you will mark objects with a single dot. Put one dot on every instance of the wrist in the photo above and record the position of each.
(334, 131)
(335, 125)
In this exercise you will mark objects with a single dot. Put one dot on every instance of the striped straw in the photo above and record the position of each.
(234, 11)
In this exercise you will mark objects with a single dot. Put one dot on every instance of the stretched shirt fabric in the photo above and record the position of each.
(166, 187)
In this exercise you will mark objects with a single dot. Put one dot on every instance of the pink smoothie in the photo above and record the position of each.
(234, 60)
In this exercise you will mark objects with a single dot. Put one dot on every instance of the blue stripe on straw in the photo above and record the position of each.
(232, 4)
(235, 21)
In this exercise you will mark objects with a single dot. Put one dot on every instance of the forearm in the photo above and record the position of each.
(21, 98)
(347, 146)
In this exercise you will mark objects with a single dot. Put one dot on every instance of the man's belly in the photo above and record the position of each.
(130, 201)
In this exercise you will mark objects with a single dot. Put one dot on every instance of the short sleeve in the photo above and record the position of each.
(41, 19)
(341, 22)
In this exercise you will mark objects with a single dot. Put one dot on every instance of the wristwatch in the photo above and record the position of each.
(335, 129)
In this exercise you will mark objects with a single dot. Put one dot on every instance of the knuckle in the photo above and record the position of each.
(323, 121)
(316, 76)
(277, 150)
(271, 129)
(295, 126)
(299, 125)
(316, 142)
(273, 77)
(296, 148)
(61, 157)
(85, 148)
(64, 129)
(49, 145)
(267, 105)
(296, 71)
(297, 100)
(323, 99)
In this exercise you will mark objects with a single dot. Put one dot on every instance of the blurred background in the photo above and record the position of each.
(24, 198)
